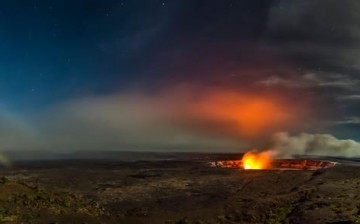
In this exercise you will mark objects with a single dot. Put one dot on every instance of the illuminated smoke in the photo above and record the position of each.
(285, 145)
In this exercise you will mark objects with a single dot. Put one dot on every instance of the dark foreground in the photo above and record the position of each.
(186, 191)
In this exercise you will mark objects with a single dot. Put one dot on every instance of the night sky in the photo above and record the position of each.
(54, 50)
(144, 74)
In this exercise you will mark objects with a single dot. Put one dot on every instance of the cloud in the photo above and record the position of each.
(177, 119)
(303, 20)
(311, 80)
(328, 49)
(288, 82)
(348, 120)
(324, 54)
(345, 83)
(349, 97)
(125, 122)
(284, 145)
(172, 120)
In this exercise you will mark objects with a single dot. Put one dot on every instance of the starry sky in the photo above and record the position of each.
(53, 50)
(112, 74)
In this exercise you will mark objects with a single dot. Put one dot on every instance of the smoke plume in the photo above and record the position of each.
(285, 145)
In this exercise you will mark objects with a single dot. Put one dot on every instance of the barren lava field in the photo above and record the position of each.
(179, 190)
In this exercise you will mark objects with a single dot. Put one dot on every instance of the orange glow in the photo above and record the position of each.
(250, 115)
(279, 164)
(256, 161)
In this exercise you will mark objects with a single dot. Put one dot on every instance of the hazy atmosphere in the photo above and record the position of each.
(181, 76)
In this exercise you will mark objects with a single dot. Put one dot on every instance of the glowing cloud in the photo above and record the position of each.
(251, 115)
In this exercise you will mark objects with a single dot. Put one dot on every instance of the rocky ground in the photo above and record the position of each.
(175, 192)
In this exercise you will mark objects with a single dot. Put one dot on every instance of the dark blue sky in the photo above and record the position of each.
(53, 50)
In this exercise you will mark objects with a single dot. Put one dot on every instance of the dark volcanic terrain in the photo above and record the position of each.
(175, 191)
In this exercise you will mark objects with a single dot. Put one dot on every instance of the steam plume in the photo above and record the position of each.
(285, 145)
